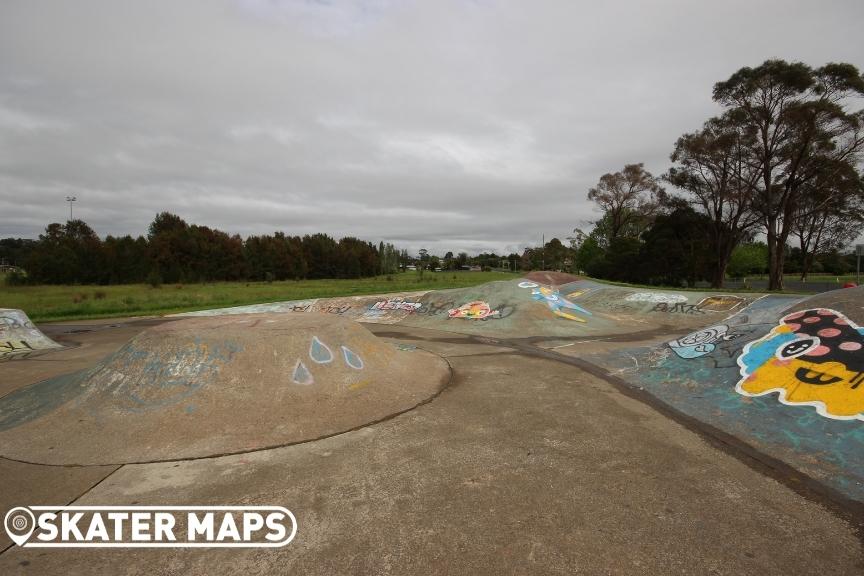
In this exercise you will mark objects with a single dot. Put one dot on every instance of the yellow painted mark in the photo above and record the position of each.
(359, 385)
(568, 316)
(828, 383)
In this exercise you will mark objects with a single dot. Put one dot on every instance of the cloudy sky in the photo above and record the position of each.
(446, 124)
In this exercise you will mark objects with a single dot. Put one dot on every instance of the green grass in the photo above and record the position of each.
(54, 303)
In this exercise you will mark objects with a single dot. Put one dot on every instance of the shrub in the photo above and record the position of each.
(99, 295)
(154, 279)
(16, 278)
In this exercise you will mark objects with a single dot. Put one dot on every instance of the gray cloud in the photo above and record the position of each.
(450, 125)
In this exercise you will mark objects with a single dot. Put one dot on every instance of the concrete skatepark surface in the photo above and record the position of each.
(584, 428)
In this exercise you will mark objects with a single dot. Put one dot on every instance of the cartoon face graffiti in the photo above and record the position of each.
(812, 358)
(559, 305)
(702, 342)
(477, 310)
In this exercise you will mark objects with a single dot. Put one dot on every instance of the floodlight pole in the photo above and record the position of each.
(70, 200)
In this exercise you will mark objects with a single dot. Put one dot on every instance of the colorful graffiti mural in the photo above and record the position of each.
(559, 305)
(811, 358)
(476, 310)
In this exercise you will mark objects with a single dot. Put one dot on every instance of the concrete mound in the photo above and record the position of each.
(206, 386)
(19, 338)
(528, 309)
(525, 308)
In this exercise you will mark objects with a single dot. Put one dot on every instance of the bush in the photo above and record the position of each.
(16, 278)
(154, 279)
(99, 295)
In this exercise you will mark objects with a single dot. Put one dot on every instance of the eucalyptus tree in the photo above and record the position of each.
(803, 129)
(714, 168)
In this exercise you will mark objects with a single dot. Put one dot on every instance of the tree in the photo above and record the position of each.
(714, 168)
(424, 261)
(513, 259)
(461, 260)
(749, 258)
(629, 199)
(802, 129)
(673, 248)
(829, 215)
(589, 255)
(556, 254)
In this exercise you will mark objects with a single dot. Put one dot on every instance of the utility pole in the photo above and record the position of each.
(543, 254)
(70, 200)
(859, 251)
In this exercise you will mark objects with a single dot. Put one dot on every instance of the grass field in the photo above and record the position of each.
(47, 303)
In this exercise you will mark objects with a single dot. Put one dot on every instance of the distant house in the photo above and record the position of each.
(410, 267)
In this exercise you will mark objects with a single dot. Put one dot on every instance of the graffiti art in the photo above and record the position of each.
(352, 359)
(396, 305)
(302, 375)
(320, 352)
(656, 297)
(721, 303)
(559, 305)
(811, 358)
(477, 310)
(701, 342)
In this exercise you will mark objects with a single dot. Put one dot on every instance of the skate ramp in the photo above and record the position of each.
(527, 309)
(19, 338)
(523, 308)
(208, 386)
(786, 378)
(380, 309)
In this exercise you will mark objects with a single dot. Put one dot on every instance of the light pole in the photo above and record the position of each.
(70, 200)
(859, 251)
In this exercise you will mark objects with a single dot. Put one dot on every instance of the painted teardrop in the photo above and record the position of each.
(319, 352)
(302, 375)
(352, 359)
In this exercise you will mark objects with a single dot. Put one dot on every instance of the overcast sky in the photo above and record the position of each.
(450, 125)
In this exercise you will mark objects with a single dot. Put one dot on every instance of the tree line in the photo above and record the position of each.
(781, 163)
(175, 252)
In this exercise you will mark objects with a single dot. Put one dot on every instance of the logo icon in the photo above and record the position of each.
(19, 523)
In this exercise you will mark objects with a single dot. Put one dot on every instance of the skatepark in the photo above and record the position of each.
(547, 424)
